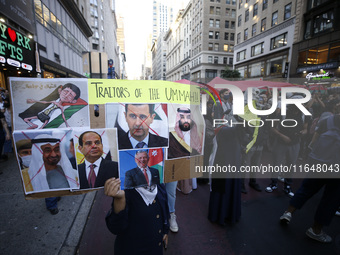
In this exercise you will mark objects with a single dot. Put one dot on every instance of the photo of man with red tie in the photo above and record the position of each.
(95, 170)
(142, 175)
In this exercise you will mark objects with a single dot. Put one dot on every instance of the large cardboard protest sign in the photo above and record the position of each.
(66, 130)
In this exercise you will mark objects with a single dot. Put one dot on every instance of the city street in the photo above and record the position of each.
(79, 228)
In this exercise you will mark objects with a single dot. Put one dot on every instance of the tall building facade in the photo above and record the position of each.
(316, 49)
(212, 38)
(159, 58)
(264, 38)
(163, 15)
(174, 44)
(103, 60)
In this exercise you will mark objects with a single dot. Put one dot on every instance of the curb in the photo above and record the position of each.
(72, 240)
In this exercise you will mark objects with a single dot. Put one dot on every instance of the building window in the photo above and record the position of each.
(323, 22)
(210, 59)
(239, 20)
(255, 9)
(210, 46)
(274, 66)
(225, 60)
(274, 19)
(274, 1)
(253, 30)
(231, 48)
(278, 41)
(218, 10)
(239, 4)
(257, 49)
(217, 35)
(233, 13)
(227, 1)
(226, 36)
(217, 24)
(231, 60)
(308, 30)
(263, 24)
(241, 55)
(232, 26)
(245, 37)
(233, 2)
(216, 47)
(211, 22)
(238, 38)
(210, 73)
(288, 10)
(211, 10)
(225, 47)
(265, 5)
(211, 35)
(246, 16)
(232, 36)
(226, 24)
(227, 11)
(334, 52)
(215, 60)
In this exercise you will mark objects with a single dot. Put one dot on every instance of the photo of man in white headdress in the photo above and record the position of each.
(187, 136)
(50, 168)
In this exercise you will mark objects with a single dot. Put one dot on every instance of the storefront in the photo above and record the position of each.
(17, 46)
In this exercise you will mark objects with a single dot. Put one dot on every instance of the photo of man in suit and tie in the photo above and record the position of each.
(142, 175)
(95, 170)
(139, 117)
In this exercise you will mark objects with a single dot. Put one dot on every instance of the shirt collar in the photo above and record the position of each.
(134, 142)
(97, 162)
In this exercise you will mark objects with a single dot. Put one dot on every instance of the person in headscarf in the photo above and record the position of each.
(139, 217)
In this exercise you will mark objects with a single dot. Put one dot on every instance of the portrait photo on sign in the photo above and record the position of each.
(186, 126)
(139, 125)
(96, 154)
(45, 160)
(141, 167)
(49, 103)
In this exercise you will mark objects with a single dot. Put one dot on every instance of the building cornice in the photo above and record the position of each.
(72, 8)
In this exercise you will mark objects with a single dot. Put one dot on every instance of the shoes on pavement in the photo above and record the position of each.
(287, 189)
(54, 211)
(281, 179)
(322, 237)
(255, 186)
(271, 188)
(173, 223)
(285, 218)
(243, 189)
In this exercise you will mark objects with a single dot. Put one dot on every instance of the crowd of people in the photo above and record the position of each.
(312, 139)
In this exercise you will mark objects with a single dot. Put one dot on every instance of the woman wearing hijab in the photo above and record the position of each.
(139, 218)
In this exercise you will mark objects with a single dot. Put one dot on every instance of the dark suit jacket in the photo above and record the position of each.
(135, 177)
(154, 141)
(107, 170)
(149, 223)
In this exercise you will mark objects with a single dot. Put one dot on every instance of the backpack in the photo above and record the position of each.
(327, 147)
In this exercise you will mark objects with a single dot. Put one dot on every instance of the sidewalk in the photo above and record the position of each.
(26, 227)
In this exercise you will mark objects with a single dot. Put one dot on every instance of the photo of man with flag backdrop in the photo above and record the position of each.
(128, 162)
